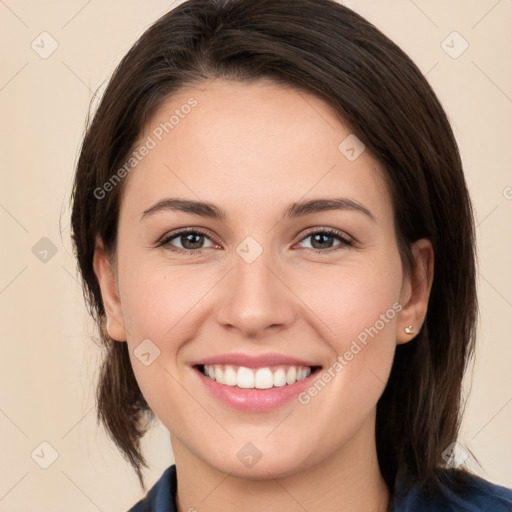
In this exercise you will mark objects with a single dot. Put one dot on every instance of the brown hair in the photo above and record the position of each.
(325, 49)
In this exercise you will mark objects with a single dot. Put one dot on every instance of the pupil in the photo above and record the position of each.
(189, 238)
(321, 236)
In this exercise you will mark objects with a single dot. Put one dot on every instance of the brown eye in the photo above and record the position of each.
(191, 241)
(322, 240)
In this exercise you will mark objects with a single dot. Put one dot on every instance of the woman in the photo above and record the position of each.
(276, 239)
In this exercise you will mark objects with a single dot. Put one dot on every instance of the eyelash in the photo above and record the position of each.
(345, 241)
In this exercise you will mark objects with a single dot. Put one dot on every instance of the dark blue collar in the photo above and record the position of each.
(460, 492)
(477, 495)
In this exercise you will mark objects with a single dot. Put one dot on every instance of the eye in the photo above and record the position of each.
(190, 240)
(322, 240)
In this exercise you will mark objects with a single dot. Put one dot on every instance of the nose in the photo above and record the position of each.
(256, 300)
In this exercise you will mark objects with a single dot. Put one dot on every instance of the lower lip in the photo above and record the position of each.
(255, 400)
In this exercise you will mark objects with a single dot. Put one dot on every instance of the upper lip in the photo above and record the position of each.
(254, 361)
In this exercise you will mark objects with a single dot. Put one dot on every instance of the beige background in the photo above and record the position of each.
(48, 364)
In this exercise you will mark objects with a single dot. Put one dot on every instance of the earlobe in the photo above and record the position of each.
(416, 292)
(109, 293)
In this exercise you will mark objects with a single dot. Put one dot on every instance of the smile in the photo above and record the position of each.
(255, 389)
(259, 378)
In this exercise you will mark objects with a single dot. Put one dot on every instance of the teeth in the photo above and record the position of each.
(230, 376)
(244, 378)
(261, 378)
(291, 375)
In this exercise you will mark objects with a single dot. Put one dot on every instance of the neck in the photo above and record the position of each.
(349, 480)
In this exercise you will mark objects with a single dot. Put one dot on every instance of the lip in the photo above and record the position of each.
(255, 400)
(255, 361)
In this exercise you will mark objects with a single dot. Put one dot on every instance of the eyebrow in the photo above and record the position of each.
(300, 209)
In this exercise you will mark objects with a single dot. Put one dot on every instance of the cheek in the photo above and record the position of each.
(158, 310)
(360, 307)
(366, 311)
(356, 300)
(155, 297)
(357, 308)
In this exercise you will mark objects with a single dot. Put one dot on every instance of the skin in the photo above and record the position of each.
(253, 149)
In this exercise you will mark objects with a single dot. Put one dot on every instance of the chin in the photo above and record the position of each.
(250, 463)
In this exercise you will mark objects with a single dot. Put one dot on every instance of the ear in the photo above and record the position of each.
(416, 291)
(106, 277)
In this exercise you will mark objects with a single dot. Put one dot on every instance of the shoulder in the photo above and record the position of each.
(456, 491)
(481, 495)
(161, 497)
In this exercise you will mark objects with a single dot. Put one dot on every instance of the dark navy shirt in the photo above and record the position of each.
(478, 496)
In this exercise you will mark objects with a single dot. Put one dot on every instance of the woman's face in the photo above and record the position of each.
(263, 282)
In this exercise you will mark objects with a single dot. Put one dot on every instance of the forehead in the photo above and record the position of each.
(251, 145)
